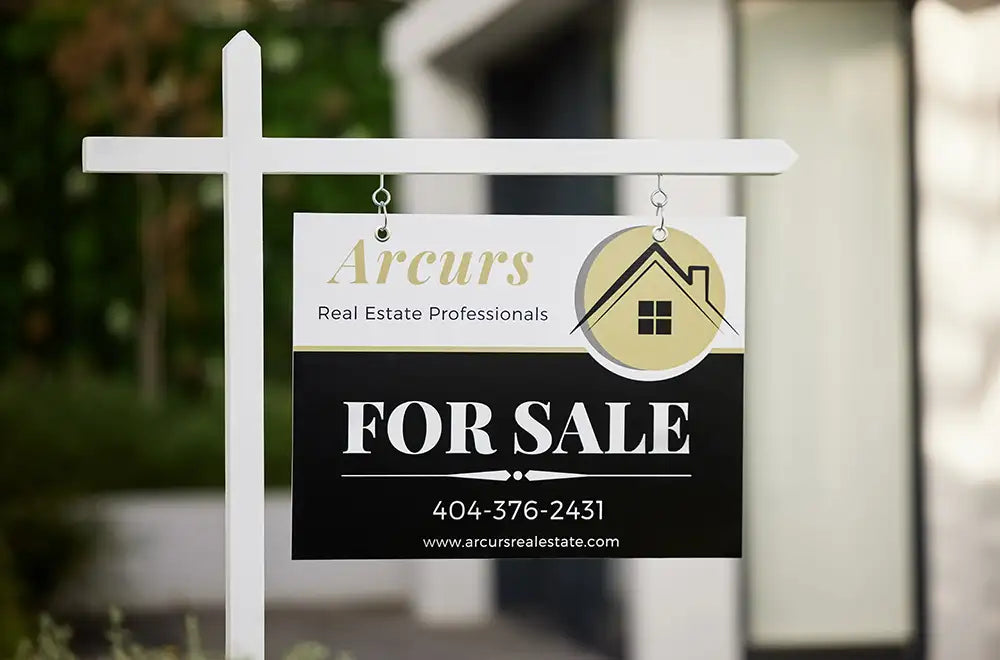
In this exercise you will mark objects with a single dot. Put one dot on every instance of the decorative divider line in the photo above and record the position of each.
(517, 475)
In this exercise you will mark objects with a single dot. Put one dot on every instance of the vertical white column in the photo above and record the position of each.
(431, 103)
(244, 302)
(675, 80)
(828, 426)
(435, 104)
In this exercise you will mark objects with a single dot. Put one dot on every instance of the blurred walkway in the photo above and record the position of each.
(364, 635)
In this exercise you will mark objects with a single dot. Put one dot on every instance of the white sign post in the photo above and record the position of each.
(242, 155)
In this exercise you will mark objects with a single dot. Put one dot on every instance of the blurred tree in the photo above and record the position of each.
(108, 275)
(95, 268)
(125, 67)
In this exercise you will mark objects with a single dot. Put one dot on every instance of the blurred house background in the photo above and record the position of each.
(873, 362)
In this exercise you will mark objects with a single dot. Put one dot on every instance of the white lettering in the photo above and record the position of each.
(616, 431)
(461, 428)
(534, 428)
(580, 420)
(663, 430)
(356, 426)
(432, 430)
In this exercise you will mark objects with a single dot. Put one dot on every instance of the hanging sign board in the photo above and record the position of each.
(514, 386)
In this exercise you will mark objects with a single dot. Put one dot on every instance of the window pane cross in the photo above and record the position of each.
(655, 317)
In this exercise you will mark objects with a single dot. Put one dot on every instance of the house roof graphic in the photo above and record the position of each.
(646, 262)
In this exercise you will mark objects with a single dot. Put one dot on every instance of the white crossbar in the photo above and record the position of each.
(155, 154)
(444, 156)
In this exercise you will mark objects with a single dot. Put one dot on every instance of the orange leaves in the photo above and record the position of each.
(123, 64)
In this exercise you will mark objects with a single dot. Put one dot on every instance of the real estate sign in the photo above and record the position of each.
(514, 386)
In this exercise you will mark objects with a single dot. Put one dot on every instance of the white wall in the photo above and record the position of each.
(674, 79)
(167, 551)
(434, 51)
(958, 156)
(828, 438)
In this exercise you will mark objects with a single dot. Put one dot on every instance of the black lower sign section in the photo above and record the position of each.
(420, 455)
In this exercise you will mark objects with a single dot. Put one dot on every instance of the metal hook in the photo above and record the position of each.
(381, 198)
(659, 199)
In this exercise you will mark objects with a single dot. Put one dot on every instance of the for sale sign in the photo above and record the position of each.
(514, 386)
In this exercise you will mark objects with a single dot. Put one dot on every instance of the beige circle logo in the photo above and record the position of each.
(651, 308)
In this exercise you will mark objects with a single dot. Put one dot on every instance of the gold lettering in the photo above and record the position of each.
(454, 266)
(521, 259)
(386, 261)
(412, 274)
(448, 263)
(488, 259)
(356, 260)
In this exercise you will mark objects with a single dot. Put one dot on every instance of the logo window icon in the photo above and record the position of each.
(655, 317)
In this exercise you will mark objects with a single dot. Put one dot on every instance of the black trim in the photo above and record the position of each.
(832, 653)
(570, 595)
(919, 646)
(738, 201)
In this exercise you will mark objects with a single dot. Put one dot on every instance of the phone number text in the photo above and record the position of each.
(520, 510)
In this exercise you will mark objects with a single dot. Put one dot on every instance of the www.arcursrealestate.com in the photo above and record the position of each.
(522, 542)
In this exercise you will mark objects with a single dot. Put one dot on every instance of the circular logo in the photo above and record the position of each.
(650, 309)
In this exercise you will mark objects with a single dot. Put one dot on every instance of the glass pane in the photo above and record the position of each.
(828, 439)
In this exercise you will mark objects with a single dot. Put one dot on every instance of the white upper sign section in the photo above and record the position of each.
(523, 300)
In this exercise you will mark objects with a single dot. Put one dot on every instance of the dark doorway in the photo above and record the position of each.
(560, 86)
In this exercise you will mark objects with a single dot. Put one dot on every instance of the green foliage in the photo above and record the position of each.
(71, 264)
(12, 620)
(68, 437)
(85, 259)
(83, 434)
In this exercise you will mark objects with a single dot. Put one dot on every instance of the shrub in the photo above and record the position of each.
(68, 436)
(53, 643)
